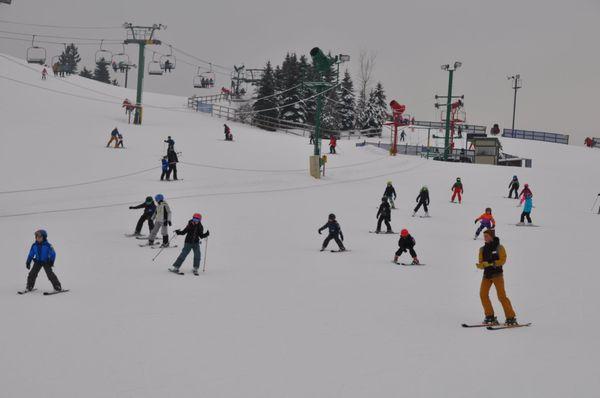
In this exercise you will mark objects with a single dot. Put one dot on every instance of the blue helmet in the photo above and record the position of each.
(42, 233)
(159, 198)
(514, 177)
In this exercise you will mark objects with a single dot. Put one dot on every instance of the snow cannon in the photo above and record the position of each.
(397, 108)
(322, 62)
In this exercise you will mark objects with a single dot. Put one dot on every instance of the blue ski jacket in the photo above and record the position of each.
(528, 205)
(41, 253)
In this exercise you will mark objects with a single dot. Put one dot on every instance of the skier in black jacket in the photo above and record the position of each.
(149, 209)
(173, 160)
(390, 194)
(422, 200)
(406, 243)
(335, 233)
(194, 231)
(384, 214)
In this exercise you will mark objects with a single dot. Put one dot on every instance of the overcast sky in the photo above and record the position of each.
(552, 44)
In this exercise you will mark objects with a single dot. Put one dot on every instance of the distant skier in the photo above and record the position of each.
(514, 187)
(527, 211)
(312, 139)
(114, 137)
(390, 194)
(227, 131)
(332, 144)
(194, 231)
(119, 141)
(44, 73)
(170, 143)
(384, 215)
(406, 243)
(149, 210)
(162, 221)
(335, 233)
(422, 200)
(43, 256)
(524, 194)
(486, 221)
(457, 190)
(492, 257)
(173, 160)
(402, 135)
(495, 130)
(165, 169)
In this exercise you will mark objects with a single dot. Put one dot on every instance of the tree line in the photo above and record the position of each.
(70, 59)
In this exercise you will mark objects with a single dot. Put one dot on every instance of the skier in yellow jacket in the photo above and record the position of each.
(492, 257)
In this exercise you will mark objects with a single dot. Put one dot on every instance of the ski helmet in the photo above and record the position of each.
(515, 178)
(197, 217)
(159, 198)
(404, 233)
(42, 233)
(457, 178)
(384, 199)
(389, 183)
(332, 216)
(149, 199)
(424, 188)
(488, 209)
(526, 185)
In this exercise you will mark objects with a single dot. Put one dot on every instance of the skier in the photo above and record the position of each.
(149, 210)
(44, 73)
(194, 231)
(524, 193)
(527, 210)
(162, 220)
(312, 139)
(171, 143)
(332, 144)
(514, 187)
(390, 194)
(486, 220)
(457, 190)
(227, 131)
(113, 137)
(165, 169)
(119, 141)
(495, 130)
(173, 160)
(406, 243)
(384, 214)
(492, 257)
(422, 200)
(55, 69)
(43, 255)
(335, 233)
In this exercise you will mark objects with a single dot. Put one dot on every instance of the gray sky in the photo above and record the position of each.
(552, 44)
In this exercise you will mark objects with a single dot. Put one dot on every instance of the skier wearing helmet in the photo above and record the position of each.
(486, 221)
(43, 256)
(406, 243)
(457, 190)
(335, 233)
(384, 215)
(162, 221)
(194, 231)
(149, 209)
(525, 193)
(514, 187)
(422, 200)
(390, 194)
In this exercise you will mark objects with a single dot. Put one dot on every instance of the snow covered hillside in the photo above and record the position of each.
(273, 316)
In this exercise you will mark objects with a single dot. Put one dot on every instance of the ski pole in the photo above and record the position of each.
(163, 248)
(205, 252)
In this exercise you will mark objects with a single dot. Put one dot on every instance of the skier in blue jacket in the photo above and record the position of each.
(165, 169)
(43, 255)
(527, 210)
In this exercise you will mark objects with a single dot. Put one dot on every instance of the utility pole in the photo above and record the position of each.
(449, 97)
(142, 36)
(516, 86)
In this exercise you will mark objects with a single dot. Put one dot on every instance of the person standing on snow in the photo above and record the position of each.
(119, 141)
(332, 144)
(114, 136)
(173, 160)
(402, 135)
(170, 144)
(43, 256)
(165, 168)
(390, 194)
(422, 200)
(335, 233)
(457, 190)
(44, 73)
(194, 231)
(486, 220)
(227, 132)
(384, 214)
(527, 211)
(525, 193)
(149, 210)
(492, 257)
(162, 221)
(406, 243)
(514, 187)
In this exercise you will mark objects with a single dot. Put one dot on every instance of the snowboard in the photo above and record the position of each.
(26, 291)
(55, 292)
(382, 233)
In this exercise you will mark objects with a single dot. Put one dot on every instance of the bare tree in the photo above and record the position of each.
(366, 65)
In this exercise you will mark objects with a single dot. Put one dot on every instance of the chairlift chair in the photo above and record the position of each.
(154, 68)
(103, 54)
(204, 80)
(168, 61)
(120, 60)
(36, 54)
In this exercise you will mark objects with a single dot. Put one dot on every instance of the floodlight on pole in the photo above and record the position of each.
(517, 84)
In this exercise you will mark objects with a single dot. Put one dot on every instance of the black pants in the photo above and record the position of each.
(516, 191)
(337, 240)
(165, 174)
(387, 224)
(140, 223)
(172, 169)
(421, 203)
(526, 215)
(35, 270)
(412, 251)
(332, 150)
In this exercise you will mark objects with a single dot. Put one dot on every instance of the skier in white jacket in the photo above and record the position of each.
(162, 220)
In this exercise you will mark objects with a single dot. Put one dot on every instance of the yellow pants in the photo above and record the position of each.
(484, 293)
(111, 140)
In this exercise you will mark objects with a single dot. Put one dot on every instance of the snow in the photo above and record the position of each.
(272, 316)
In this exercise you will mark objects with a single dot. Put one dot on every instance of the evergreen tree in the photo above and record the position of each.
(86, 73)
(292, 107)
(70, 58)
(265, 90)
(376, 109)
(101, 73)
(347, 108)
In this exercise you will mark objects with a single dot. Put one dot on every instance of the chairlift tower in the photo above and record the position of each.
(450, 69)
(142, 36)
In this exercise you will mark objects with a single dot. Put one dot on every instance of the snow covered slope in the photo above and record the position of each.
(272, 316)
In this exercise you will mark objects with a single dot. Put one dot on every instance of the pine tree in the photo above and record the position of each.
(101, 73)
(376, 109)
(347, 108)
(86, 73)
(70, 58)
(265, 91)
(292, 107)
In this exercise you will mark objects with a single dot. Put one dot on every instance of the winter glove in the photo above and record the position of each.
(342, 237)
(130, 207)
(169, 223)
(319, 232)
(28, 265)
(178, 231)
(476, 221)
(480, 265)
(206, 235)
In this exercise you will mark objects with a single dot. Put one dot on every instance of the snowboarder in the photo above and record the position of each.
(227, 131)
(390, 194)
(162, 221)
(527, 211)
(457, 190)
(332, 144)
(492, 257)
(335, 233)
(149, 209)
(486, 221)
(114, 136)
(422, 200)
(44, 73)
(165, 169)
(173, 160)
(384, 215)
(171, 143)
(43, 256)
(194, 231)
(514, 187)
(524, 193)
(406, 243)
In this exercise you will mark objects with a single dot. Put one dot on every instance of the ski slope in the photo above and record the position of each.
(273, 316)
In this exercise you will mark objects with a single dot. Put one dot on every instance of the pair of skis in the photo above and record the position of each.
(408, 264)
(496, 327)
(182, 273)
(45, 293)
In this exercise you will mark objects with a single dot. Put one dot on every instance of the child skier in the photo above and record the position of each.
(527, 211)
(194, 231)
(162, 220)
(165, 169)
(335, 233)
(43, 255)
(119, 141)
(486, 221)
(492, 257)
(149, 210)
(332, 144)
(390, 194)
(406, 243)
(422, 200)
(524, 193)
(44, 73)
(457, 190)
(114, 136)
(384, 214)
(227, 131)
(514, 187)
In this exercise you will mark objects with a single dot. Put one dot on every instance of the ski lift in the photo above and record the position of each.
(154, 68)
(36, 54)
(103, 54)
(204, 79)
(168, 61)
(120, 61)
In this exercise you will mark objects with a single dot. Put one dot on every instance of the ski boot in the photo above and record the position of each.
(322, 249)
(195, 271)
(511, 321)
(520, 223)
(165, 241)
(389, 231)
(415, 261)
(426, 214)
(377, 231)
(414, 213)
(395, 260)
(491, 320)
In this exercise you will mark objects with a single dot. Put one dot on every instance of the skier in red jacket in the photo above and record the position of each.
(332, 144)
